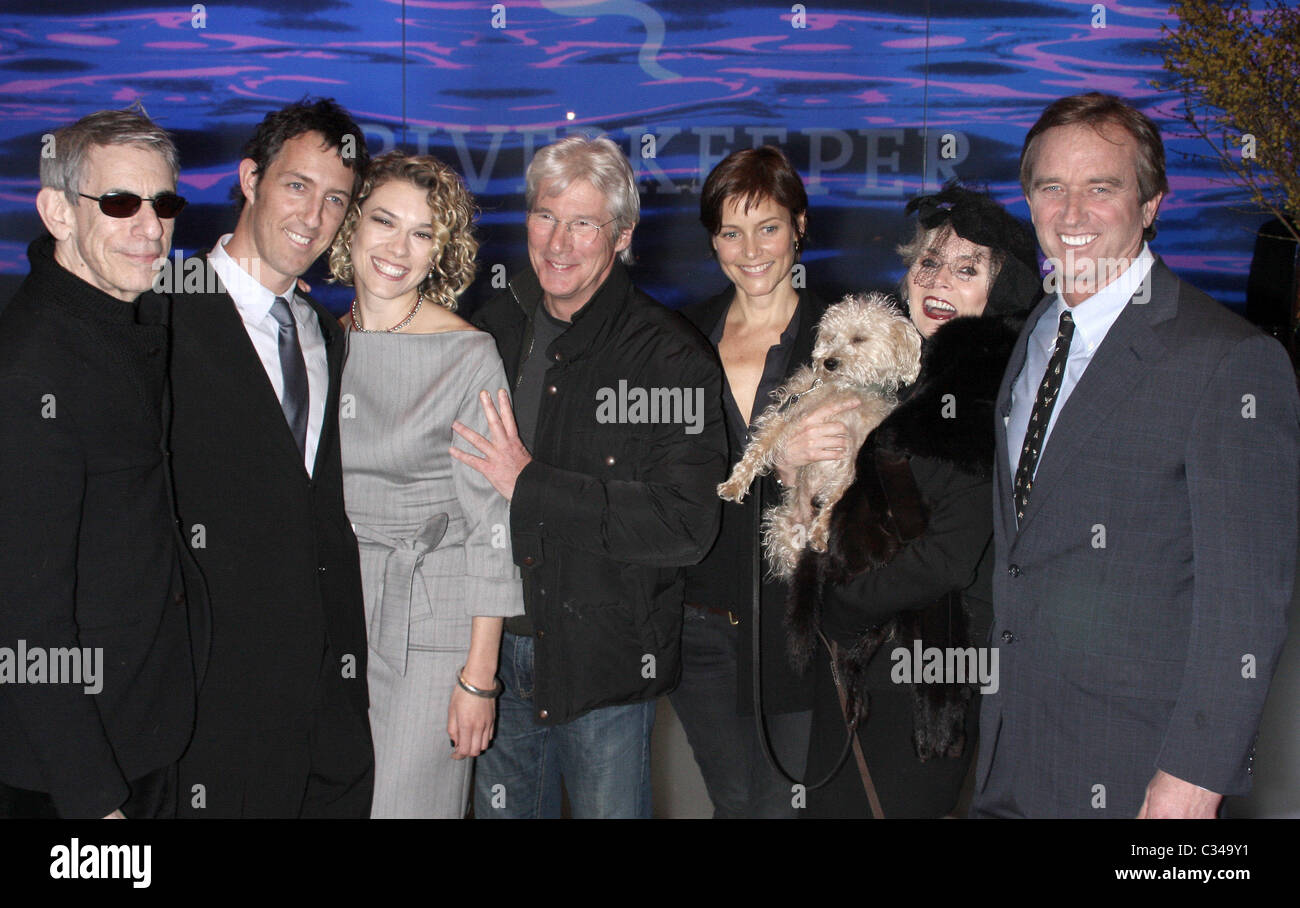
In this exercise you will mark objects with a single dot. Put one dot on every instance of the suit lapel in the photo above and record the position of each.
(1124, 358)
(335, 348)
(240, 365)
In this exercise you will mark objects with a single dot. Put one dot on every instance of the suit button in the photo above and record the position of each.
(528, 561)
(609, 461)
(1014, 570)
(180, 600)
(551, 389)
(321, 569)
(557, 356)
(1008, 637)
(543, 714)
(541, 634)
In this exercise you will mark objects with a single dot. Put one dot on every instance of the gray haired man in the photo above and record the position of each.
(96, 678)
(607, 501)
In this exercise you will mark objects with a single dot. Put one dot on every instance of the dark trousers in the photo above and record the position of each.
(152, 797)
(740, 781)
(906, 787)
(326, 770)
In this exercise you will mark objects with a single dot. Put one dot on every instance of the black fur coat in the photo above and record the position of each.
(945, 425)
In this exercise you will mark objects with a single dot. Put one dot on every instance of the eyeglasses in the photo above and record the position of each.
(126, 204)
(580, 228)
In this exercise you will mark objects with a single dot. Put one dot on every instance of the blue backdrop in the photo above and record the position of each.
(874, 101)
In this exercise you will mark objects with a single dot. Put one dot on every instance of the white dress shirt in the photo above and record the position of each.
(1092, 320)
(254, 304)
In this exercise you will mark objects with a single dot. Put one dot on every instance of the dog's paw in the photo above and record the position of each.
(782, 563)
(781, 557)
(819, 533)
(733, 489)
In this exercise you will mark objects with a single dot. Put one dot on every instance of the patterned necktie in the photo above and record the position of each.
(294, 369)
(1048, 391)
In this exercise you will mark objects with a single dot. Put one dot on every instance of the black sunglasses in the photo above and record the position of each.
(126, 204)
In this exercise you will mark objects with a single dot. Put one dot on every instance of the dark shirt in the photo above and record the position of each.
(775, 368)
(532, 377)
(528, 404)
(705, 584)
(724, 578)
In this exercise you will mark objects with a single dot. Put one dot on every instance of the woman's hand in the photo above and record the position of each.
(470, 723)
(471, 719)
(816, 438)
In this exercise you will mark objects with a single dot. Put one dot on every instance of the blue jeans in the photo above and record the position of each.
(602, 757)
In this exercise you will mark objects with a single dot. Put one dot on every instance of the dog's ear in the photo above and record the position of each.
(895, 351)
(906, 342)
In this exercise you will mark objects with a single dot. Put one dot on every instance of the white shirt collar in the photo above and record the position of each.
(253, 300)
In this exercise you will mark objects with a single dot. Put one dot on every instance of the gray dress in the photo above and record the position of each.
(434, 538)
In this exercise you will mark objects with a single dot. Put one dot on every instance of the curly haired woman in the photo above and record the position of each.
(435, 560)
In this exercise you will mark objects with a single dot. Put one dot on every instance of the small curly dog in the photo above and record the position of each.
(866, 349)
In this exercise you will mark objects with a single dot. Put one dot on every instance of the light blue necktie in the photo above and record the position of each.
(293, 367)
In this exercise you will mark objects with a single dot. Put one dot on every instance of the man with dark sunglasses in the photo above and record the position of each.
(282, 728)
(120, 204)
(97, 683)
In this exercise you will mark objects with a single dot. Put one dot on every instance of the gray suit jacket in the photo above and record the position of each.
(1139, 607)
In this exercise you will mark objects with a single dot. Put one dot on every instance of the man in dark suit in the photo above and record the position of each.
(282, 727)
(1145, 505)
(96, 677)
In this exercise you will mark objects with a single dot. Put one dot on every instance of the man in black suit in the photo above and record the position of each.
(1145, 514)
(96, 677)
(282, 729)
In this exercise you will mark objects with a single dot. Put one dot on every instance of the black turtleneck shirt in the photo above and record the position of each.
(91, 561)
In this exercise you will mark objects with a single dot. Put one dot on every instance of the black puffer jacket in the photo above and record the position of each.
(607, 514)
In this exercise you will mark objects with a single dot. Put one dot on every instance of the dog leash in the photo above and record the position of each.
(794, 398)
(756, 678)
(877, 811)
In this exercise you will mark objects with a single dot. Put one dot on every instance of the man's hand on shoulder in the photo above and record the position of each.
(1170, 798)
(504, 455)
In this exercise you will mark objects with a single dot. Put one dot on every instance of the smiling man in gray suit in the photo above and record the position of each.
(1145, 505)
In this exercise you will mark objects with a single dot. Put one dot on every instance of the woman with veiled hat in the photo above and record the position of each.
(910, 552)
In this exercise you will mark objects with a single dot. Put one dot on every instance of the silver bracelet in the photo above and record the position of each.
(477, 692)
